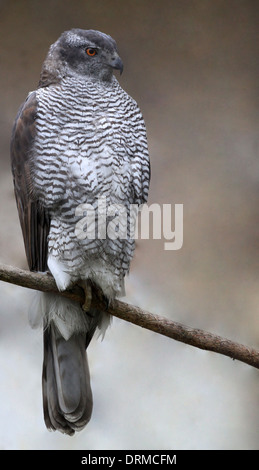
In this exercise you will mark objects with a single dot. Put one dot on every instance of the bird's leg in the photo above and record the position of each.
(88, 295)
(102, 297)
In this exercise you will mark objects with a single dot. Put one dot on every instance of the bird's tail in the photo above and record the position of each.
(67, 395)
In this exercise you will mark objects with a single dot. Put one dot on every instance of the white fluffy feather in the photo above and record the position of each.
(66, 314)
(58, 270)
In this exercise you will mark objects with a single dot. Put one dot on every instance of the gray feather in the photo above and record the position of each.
(67, 394)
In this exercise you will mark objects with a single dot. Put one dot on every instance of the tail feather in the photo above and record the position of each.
(66, 388)
(53, 417)
(67, 395)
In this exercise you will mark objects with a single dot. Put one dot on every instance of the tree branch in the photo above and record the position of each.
(194, 337)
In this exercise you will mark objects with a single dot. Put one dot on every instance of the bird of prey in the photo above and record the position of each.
(78, 139)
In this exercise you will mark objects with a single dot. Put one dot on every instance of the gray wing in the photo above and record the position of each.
(34, 218)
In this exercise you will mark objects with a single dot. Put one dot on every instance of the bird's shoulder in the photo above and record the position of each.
(23, 133)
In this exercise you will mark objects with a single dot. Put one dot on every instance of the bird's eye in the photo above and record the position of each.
(90, 51)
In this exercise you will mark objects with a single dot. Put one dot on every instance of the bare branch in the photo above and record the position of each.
(194, 337)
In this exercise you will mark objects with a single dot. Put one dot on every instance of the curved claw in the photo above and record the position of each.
(88, 295)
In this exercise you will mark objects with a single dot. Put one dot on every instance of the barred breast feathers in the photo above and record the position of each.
(90, 142)
(90, 136)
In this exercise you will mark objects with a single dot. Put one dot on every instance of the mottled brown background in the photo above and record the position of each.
(193, 68)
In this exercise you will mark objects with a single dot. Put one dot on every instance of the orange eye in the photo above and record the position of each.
(91, 52)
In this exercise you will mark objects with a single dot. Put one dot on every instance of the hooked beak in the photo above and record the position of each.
(116, 63)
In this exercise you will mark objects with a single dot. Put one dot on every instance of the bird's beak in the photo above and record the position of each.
(116, 63)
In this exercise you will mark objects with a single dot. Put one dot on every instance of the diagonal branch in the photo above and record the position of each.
(194, 337)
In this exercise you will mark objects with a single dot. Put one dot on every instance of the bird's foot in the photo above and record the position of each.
(88, 295)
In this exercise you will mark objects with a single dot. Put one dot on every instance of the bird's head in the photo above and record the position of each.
(84, 52)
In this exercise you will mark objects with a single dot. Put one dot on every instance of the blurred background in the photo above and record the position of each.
(192, 65)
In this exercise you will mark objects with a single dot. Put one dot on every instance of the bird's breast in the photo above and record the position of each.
(85, 145)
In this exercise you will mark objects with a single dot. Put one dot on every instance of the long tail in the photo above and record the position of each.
(67, 395)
